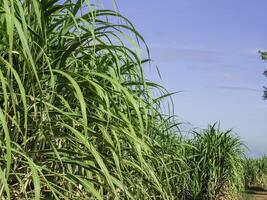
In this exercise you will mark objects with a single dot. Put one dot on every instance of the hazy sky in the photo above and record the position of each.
(209, 49)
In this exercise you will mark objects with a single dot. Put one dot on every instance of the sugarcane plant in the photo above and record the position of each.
(79, 119)
(76, 111)
(216, 163)
(256, 173)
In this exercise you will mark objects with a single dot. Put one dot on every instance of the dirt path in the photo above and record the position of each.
(257, 195)
(260, 197)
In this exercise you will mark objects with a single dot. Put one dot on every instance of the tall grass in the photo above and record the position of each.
(75, 110)
(256, 172)
(216, 163)
(78, 119)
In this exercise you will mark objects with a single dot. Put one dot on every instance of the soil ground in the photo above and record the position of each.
(256, 194)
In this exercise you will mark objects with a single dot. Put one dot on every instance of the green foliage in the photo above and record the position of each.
(78, 119)
(216, 160)
(256, 172)
(76, 111)
(264, 57)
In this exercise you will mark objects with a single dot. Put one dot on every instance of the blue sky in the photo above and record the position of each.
(209, 50)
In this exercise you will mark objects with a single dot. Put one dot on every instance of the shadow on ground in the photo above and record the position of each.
(256, 190)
